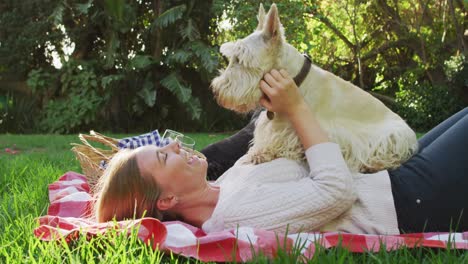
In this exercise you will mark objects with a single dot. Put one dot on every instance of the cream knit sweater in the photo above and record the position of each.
(324, 196)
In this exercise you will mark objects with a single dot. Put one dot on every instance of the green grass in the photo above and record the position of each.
(43, 158)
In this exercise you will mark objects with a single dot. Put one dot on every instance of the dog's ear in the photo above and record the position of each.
(227, 49)
(261, 17)
(273, 24)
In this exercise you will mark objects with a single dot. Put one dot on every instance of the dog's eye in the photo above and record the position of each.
(235, 59)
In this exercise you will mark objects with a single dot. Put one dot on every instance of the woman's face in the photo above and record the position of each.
(173, 169)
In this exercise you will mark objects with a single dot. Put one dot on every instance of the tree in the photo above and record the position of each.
(136, 64)
(133, 61)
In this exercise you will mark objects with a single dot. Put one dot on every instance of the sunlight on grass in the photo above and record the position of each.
(41, 159)
(24, 177)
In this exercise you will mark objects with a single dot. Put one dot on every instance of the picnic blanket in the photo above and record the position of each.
(69, 217)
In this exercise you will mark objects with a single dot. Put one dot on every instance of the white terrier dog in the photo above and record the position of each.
(370, 135)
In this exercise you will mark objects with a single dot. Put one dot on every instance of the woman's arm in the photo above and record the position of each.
(330, 192)
(283, 96)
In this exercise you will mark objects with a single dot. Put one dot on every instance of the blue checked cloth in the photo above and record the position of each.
(151, 138)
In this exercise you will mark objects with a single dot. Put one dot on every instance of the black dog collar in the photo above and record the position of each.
(298, 79)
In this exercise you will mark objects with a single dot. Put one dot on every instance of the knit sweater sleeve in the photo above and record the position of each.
(304, 204)
(331, 181)
(328, 191)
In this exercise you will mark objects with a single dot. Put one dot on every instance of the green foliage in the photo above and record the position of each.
(147, 93)
(140, 62)
(66, 115)
(424, 106)
(456, 70)
(40, 80)
(150, 63)
(170, 16)
(183, 93)
(108, 80)
(78, 102)
(396, 48)
(17, 114)
(26, 35)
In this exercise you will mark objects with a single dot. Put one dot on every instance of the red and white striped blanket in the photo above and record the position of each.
(70, 202)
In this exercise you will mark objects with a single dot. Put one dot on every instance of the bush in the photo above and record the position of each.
(74, 103)
(65, 116)
(425, 106)
(16, 114)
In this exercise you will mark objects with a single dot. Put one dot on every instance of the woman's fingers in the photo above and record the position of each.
(268, 77)
(284, 73)
(265, 87)
(265, 102)
(277, 75)
(278, 91)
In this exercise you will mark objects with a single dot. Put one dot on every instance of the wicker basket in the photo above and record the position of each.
(91, 157)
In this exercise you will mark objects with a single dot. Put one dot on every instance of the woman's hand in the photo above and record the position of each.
(281, 94)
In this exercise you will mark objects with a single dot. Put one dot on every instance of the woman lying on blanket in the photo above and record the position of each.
(427, 193)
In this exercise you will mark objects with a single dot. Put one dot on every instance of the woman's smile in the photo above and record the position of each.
(190, 158)
(193, 160)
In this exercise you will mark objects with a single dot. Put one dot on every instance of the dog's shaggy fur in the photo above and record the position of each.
(370, 135)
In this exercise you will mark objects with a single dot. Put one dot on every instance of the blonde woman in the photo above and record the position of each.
(427, 193)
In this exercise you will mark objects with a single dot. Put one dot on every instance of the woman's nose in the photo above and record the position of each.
(174, 146)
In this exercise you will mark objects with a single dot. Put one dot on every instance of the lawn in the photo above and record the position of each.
(41, 159)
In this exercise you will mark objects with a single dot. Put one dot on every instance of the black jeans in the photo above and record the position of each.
(430, 190)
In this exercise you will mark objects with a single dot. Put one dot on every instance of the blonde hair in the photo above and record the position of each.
(122, 192)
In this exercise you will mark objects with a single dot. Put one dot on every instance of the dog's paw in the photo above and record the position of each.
(259, 158)
(246, 159)
(252, 157)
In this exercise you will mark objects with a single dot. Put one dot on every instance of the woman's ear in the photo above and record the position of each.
(167, 202)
